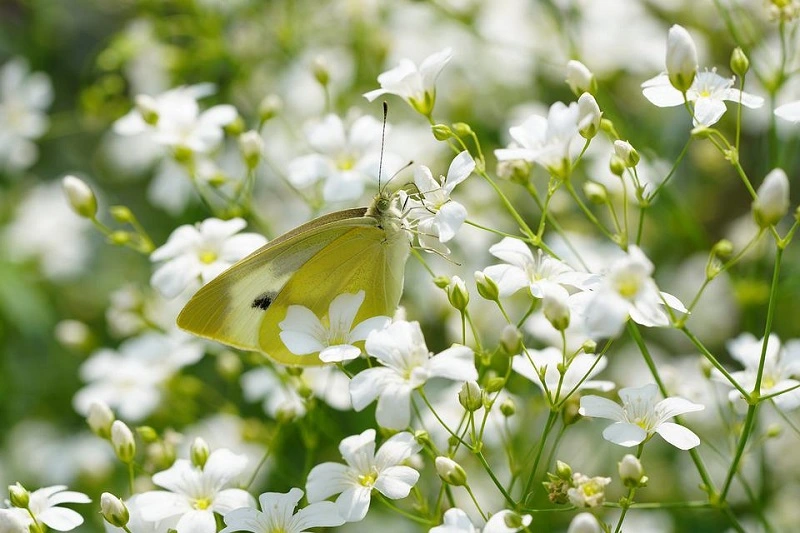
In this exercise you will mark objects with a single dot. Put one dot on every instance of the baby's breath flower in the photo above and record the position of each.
(114, 510)
(580, 79)
(587, 491)
(772, 200)
(681, 58)
(450, 471)
(122, 441)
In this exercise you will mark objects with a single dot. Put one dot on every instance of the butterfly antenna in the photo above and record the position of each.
(383, 143)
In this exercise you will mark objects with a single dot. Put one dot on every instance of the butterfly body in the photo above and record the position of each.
(343, 252)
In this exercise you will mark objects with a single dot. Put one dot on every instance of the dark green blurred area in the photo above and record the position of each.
(80, 44)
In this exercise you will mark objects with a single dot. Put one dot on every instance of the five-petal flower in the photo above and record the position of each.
(278, 514)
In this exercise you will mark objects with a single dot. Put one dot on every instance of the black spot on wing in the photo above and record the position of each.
(263, 301)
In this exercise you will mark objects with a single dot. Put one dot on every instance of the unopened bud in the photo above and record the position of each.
(681, 58)
(511, 340)
(470, 396)
(199, 452)
(772, 201)
(450, 471)
(121, 214)
(580, 79)
(457, 293)
(251, 144)
(508, 407)
(147, 433)
(589, 116)
(441, 281)
(462, 129)
(555, 306)
(487, 288)
(441, 132)
(494, 384)
(723, 249)
(616, 165)
(147, 108)
(630, 471)
(740, 64)
(627, 153)
(595, 192)
(270, 106)
(589, 346)
(99, 418)
(235, 127)
(321, 72)
(19, 496)
(80, 196)
(563, 470)
(114, 510)
(122, 441)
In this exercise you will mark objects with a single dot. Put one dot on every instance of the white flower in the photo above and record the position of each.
(278, 515)
(589, 116)
(681, 60)
(772, 198)
(414, 85)
(587, 491)
(584, 523)
(174, 119)
(626, 290)
(546, 141)
(579, 78)
(58, 241)
(437, 216)
(790, 111)
(130, 378)
(781, 366)
(407, 365)
(641, 416)
(14, 520)
(507, 521)
(709, 91)
(365, 470)
(578, 375)
(455, 521)
(200, 253)
(334, 336)
(344, 160)
(24, 96)
(44, 505)
(195, 494)
(525, 270)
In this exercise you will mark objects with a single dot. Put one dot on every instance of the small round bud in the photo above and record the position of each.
(119, 237)
(113, 510)
(589, 116)
(626, 152)
(321, 72)
(511, 340)
(723, 249)
(508, 407)
(236, 127)
(580, 79)
(589, 346)
(515, 521)
(450, 471)
(630, 470)
(422, 437)
(563, 470)
(772, 200)
(147, 108)
(147, 434)
(80, 196)
(99, 418)
(199, 452)
(270, 106)
(517, 171)
(487, 288)
(470, 396)
(122, 441)
(19, 496)
(494, 384)
(441, 281)
(555, 306)
(740, 64)
(462, 129)
(607, 126)
(595, 192)
(441, 132)
(121, 214)
(681, 58)
(251, 145)
(616, 165)
(457, 293)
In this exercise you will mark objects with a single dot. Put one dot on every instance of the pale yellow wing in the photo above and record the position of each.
(231, 307)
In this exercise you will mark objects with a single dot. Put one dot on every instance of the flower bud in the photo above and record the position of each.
(441, 132)
(462, 129)
(457, 293)
(441, 281)
(236, 127)
(563, 470)
(80, 196)
(616, 165)
(121, 214)
(270, 106)
(321, 72)
(740, 64)
(148, 108)
(589, 346)
(580, 79)
(584, 523)
(251, 144)
(147, 434)
(517, 171)
(450, 471)
(494, 384)
(630, 470)
(555, 306)
(772, 201)
(514, 521)
(508, 408)
(595, 192)
(681, 58)
(627, 153)
(114, 510)
(511, 340)
(487, 288)
(100, 417)
(470, 396)
(199, 452)
(19, 496)
(122, 441)
(589, 116)
(722, 249)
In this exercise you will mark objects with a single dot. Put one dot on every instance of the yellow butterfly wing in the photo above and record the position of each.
(347, 251)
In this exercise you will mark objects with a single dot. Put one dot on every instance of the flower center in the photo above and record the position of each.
(369, 479)
(627, 287)
(207, 257)
(768, 382)
(202, 503)
(346, 162)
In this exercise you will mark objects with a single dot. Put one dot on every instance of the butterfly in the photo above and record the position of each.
(361, 249)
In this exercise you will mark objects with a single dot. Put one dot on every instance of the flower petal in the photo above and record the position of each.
(624, 434)
(599, 407)
(679, 436)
